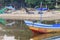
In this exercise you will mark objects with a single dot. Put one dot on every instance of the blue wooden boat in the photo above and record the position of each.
(42, 28)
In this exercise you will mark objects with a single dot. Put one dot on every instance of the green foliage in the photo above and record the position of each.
(33, 2)
(36, 3)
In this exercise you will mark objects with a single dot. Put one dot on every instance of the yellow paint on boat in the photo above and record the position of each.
(43, 29)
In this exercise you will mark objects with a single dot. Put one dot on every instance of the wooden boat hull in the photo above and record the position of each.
(43, 30)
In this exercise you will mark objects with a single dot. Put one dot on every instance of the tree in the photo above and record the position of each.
(32, 3)
(36, 3)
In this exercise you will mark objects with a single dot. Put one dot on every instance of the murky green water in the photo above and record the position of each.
(22, 32)
(19, 30)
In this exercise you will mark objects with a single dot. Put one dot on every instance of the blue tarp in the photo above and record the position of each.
(10, 7)
(43, 9)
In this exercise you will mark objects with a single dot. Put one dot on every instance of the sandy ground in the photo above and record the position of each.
(21, 15)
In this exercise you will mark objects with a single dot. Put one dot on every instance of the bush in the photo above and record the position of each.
(51, 7)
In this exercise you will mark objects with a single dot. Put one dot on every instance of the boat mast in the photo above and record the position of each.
(41, 12)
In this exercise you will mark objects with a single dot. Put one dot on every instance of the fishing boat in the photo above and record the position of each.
(43, 26)
(39, 27)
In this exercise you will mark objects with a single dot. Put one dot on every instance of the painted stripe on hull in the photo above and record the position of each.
(44, 30)
(39, 25)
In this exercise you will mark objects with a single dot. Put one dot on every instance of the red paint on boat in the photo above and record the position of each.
(38, 31)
